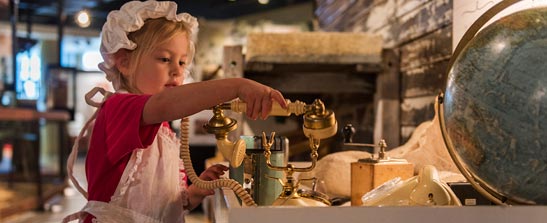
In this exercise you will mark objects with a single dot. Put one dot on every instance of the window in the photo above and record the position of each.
(29, 68)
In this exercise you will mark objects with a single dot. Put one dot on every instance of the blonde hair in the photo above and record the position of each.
(153, 33)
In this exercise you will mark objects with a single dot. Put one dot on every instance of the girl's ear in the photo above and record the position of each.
(122, 61)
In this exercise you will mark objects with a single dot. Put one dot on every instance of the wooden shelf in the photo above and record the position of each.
(25, 114)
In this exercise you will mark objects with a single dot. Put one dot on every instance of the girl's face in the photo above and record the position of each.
(163, 67)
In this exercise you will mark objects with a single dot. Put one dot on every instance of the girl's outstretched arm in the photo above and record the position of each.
(188, 99)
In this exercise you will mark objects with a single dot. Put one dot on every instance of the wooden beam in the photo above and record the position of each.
(232, 63)
(387, 101)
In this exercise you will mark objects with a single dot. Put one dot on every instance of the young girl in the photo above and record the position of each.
(133, 168)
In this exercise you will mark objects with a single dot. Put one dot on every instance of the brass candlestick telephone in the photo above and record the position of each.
(319, 123)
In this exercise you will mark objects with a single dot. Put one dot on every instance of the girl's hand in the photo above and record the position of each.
(213, 172)
(197, 194)
(259, 98)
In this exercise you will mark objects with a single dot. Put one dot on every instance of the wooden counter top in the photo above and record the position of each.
(25, 114)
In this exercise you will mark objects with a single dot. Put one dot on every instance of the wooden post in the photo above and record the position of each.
(232, 66)
(233, 61)
(387, 101)
(61, 16)
(8, 95)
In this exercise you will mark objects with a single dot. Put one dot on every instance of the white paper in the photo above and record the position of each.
(467, 11)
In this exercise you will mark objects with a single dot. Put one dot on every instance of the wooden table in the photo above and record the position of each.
(228, 210)
(36, 120)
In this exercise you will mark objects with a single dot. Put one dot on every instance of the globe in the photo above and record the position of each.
(495, 106)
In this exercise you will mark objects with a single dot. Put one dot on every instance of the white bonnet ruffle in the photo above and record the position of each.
(130, 18)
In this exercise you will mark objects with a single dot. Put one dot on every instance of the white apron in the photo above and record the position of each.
(148, 190)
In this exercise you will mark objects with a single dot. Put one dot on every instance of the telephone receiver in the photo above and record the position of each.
(234, 152)
(221, 125)
(319, 123)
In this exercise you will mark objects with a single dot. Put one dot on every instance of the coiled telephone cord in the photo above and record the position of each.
(209, 185)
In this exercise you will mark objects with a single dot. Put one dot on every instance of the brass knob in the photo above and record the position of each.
(219, 124)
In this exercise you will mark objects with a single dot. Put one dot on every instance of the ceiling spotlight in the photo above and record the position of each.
(264, 2)
(82, 19)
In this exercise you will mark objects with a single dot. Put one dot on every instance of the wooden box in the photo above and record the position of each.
(366, 176)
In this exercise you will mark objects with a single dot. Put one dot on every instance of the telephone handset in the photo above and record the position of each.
(319, 123)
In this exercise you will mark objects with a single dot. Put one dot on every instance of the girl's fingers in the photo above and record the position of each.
(259, 101)
(277, 96)
(219, 168)
(266, 107)
(256, 108)
(209, 176)
(214, 172)
(250, 108)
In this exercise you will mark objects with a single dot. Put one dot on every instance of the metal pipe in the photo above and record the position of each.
(61, 16)
(14, 17)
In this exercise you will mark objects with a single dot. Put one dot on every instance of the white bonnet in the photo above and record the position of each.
(130, 18)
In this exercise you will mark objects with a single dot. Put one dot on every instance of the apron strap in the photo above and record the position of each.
(75, 216)
(74, 153)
